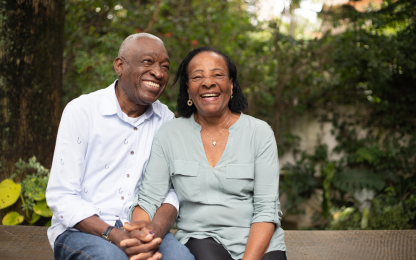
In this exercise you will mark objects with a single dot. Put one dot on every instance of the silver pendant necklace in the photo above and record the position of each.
(213, 141)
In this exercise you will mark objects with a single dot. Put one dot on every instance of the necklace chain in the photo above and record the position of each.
(213, 141)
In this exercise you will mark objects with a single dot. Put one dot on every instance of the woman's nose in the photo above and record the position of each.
(208, 82)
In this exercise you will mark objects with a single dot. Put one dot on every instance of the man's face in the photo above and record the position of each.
(143, 71)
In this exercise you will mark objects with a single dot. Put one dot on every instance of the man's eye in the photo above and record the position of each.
(147, 61)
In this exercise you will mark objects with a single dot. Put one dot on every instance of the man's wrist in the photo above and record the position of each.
(106, 233)
(115, 235)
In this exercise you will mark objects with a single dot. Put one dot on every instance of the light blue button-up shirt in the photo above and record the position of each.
(99, 160)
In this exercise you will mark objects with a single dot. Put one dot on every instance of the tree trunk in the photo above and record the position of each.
(31, 54)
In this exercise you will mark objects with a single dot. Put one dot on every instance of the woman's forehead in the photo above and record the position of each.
(207, 60)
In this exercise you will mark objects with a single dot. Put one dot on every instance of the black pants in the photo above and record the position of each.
(209, 249)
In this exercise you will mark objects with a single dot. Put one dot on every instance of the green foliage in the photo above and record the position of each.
(9, 193)
(31, 191)
(12, 218)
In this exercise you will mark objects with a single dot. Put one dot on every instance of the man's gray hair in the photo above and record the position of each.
(126, 43)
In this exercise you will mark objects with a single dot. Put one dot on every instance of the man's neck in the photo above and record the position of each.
(127, 106)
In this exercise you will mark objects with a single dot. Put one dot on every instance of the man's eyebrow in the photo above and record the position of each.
(153, 53)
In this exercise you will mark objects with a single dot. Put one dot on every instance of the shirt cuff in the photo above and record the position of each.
(267, 212)
(86, 210)
(173, 200)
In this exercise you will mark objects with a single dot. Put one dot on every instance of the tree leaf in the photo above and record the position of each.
(35, 217)
(12, 218)
(40, 196)
(41, 208)
(9, 193)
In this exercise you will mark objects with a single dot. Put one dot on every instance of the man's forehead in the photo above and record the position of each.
(150, 46)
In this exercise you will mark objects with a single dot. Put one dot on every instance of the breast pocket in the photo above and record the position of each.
(239, 179)
(184, 175)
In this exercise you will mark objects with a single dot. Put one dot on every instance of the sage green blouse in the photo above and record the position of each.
(221, 202)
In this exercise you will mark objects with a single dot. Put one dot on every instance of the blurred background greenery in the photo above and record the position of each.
(334, 79)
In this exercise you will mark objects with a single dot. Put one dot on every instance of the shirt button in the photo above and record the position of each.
(117, 216)
(122, 198)
(62, 216)
(135, 129)
(132, 152)
(128, 175)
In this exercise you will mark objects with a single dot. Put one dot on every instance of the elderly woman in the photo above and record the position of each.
(222, 163)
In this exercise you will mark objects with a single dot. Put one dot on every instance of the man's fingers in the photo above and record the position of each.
(130, 242)
(135, 225)
(156, 256)
(144, 248)
(141, 256)
(143, 235)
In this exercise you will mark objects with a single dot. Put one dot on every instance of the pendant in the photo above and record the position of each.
(214, 143)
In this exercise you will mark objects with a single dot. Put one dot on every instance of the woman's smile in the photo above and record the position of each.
(210, 96)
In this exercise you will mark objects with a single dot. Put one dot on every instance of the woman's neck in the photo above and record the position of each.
(212, 122)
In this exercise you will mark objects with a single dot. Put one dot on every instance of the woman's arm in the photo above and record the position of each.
(162, 222)
(266, 214)
(258, 240)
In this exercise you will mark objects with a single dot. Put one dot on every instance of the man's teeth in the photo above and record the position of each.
(210, 95)
(152, 84)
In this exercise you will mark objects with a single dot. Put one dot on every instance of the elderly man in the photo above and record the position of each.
(101, 152)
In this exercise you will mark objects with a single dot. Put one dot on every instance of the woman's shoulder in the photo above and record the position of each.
(257, 125)
(174, 127)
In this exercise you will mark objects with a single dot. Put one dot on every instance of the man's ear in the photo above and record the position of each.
(118, 66)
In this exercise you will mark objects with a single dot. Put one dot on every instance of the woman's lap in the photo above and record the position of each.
(209, 249)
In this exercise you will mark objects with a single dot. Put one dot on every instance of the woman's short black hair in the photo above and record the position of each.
(237, 104)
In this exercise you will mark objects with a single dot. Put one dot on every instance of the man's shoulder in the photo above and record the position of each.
(86, 102)
(164, 110)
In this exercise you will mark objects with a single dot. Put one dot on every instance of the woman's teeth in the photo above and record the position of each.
(209, 95)
(154, 85)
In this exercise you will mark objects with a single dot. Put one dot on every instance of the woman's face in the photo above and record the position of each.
(209, 85)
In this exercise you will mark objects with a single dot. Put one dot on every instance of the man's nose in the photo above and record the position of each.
(157, 71)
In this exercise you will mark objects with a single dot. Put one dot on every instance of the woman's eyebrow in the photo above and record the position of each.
(197, 71)
(217, 69)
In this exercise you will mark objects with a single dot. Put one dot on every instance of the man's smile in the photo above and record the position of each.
(152, 84)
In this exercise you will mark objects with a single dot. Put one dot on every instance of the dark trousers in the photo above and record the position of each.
(209, 249)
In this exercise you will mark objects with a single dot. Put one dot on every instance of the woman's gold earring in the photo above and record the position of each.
(190, 102)
(231, 96)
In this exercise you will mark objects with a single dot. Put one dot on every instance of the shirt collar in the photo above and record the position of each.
(110, 105)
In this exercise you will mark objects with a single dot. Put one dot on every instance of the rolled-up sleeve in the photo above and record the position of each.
(156, 183)
(266, 180)
(63, 193)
